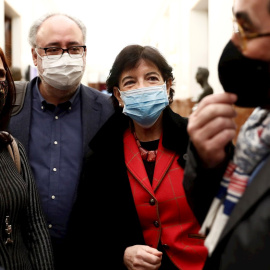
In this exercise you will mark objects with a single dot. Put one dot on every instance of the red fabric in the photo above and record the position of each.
(170, 210)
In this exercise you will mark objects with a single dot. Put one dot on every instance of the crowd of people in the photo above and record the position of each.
(119, 180)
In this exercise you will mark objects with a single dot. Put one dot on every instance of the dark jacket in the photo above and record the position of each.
(245, 241)
(19, 199)
(96, 109)
(104, 217)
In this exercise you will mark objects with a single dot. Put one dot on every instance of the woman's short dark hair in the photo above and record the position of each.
(129, 57)
(5, 114)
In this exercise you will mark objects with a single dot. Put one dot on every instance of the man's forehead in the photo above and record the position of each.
(57, 23)
(59, 29)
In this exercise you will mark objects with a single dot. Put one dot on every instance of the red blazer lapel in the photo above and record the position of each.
(164, 160)
(134, 160)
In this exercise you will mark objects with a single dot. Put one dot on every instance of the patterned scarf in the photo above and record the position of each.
(253, 144)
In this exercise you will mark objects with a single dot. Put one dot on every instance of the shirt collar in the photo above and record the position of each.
(66, 106)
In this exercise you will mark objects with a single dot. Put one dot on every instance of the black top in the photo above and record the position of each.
(150, 166)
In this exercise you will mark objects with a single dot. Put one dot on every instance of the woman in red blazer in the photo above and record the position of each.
(131, 190)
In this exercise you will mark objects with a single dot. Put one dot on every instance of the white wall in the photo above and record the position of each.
(2, 25)
(198, 47)
(220, 31)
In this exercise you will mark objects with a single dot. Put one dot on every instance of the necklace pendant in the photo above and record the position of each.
(144, 153)
(151, 157)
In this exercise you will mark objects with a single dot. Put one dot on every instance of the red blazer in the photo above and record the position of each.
(105, 217)
(162, 208)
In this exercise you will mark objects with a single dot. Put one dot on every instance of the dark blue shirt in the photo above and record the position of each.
(55, 155)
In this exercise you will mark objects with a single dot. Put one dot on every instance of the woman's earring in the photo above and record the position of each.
(120, 105)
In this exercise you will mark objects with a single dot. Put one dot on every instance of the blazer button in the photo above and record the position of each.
(156, 224)
(165, 246)
(152, 201)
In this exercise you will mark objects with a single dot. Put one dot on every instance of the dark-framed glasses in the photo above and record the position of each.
(57, 52)
(245, 35)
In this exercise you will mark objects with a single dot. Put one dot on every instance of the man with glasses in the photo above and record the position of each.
(228, 186)
(58, 119)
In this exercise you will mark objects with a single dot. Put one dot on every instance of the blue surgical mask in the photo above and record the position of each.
(144, 105)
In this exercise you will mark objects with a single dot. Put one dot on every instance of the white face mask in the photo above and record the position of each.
(64, 73)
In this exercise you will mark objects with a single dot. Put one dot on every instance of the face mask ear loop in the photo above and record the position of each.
(168, 94)
(38, 54)
(120, 104)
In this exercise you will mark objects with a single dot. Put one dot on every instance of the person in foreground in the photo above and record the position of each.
(24, 237)
(131, 187)
(58, 118)
(228, 187)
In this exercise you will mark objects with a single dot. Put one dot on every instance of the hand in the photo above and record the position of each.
(211, 127)
(140, 257)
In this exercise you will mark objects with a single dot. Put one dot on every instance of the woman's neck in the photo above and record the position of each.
(149, 134)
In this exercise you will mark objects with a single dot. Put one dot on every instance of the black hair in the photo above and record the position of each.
(129, 57)
(5, 114)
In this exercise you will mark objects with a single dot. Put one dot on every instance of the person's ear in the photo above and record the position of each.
(34, 56)
(169, 85)
(116, 93)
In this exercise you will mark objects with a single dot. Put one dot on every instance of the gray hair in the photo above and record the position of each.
(36, 25)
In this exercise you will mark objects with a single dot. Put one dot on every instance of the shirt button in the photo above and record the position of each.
(56, 117)
(53, 197)
(55, 142)
(54, 169)
(156, 224)
(152, 201)
(50, 226)
(185, 156)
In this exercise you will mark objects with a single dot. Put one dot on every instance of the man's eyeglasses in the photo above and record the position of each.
(244, 36)
(56, 52)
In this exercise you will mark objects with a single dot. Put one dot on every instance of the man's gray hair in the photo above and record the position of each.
(36, 25)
